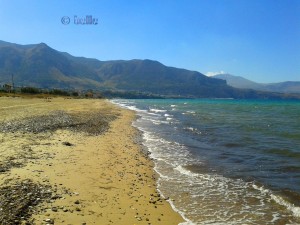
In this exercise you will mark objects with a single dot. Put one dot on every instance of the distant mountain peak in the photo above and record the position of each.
(42, 44)
(241, 82)
(39, 65)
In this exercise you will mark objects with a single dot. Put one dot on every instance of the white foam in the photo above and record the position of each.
(185, 171)
(161, 175)
(191, 112)
(153, 114)
(157, 110)
(187, 221)
(134, 108)
(261, 189)
(279, 200)
(157, 122)
(289, 206)
(190, 128)
(170, 158)
(125, 104)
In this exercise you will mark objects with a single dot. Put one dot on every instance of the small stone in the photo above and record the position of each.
(54, 209)
(49, 221)
(77, 202)
(66, 143)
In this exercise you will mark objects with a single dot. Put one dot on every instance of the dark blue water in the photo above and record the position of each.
(225, 161)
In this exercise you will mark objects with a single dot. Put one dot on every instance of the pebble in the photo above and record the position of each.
(49, 221)
(18, 200)
(66, 143)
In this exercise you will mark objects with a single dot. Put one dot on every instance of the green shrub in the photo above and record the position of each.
(30, 90)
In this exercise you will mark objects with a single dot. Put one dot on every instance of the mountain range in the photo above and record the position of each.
(240, 82)
(39, 65)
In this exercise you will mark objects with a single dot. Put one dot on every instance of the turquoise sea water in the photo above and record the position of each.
(225, 161)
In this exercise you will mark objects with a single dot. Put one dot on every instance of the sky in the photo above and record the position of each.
(255, 39)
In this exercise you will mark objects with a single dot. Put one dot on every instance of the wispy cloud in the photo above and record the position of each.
(210, 74)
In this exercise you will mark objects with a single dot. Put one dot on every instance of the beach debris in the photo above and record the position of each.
(66, 143)
(138, 218)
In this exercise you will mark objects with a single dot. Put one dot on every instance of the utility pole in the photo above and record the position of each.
(12, 82)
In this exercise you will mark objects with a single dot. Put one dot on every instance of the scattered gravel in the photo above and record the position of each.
(93, 123)
(18, 201)
(9, 163)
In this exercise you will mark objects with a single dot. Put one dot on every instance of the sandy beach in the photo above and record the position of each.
(75, 161)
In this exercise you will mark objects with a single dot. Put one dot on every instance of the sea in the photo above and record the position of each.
(224, 161)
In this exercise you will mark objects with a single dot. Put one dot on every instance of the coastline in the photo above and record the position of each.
(78, 175)
(206, 192)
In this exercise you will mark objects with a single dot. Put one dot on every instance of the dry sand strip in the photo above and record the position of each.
(75, 161)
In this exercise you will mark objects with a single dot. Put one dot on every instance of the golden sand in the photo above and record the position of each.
(98, 179)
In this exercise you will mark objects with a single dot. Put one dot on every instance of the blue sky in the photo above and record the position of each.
(256, 39)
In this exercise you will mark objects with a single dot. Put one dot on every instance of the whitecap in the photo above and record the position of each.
(157, 110)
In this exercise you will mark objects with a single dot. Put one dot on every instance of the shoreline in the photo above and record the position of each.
(147, 154)
(202, 191)
(82, 177)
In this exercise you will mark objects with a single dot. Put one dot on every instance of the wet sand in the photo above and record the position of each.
(75, 161)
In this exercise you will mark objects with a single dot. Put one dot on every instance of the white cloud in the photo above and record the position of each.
(210, 74)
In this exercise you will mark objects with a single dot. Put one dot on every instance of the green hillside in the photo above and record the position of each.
(41, 66)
